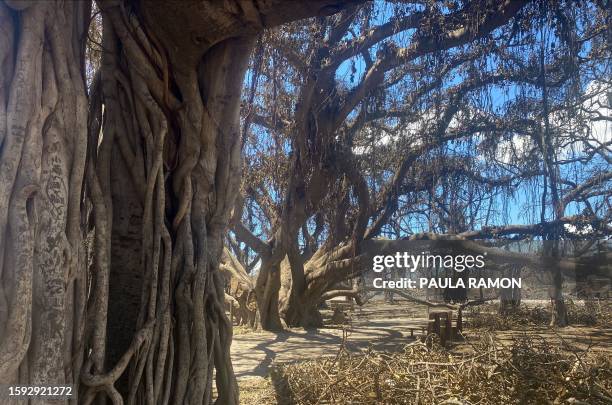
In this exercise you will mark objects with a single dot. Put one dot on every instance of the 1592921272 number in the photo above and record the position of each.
(56, 391)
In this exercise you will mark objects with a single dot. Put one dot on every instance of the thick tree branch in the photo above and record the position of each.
(248, 237)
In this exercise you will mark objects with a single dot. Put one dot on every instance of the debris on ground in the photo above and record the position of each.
(529, 371)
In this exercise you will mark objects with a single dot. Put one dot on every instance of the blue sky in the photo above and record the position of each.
(522, 205)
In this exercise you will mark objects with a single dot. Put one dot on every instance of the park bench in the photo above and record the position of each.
(446, 324)
(441, 323)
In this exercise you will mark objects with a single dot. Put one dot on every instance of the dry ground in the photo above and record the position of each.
(378, 325)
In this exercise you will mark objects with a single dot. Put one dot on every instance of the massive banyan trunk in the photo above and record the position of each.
(306, 190)
(320, 275)
(299, 305)
(43, 117)
(168, 156)
(334, 262)
(301, 308)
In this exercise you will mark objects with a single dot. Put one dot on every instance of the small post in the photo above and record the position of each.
(449, 326)
(435, 326)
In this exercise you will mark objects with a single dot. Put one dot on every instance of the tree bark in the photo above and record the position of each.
(169, 150)
(298, 307)
(43, 119)
(558, 307)
(267, 292)
(320, 273)
(240, 291)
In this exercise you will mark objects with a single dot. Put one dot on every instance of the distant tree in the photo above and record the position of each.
(390, 116)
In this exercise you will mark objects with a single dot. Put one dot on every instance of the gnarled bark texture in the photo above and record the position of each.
(167, 172)
(43, 117)
(168, 156)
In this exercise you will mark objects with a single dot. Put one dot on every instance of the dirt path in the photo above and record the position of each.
(382, 326)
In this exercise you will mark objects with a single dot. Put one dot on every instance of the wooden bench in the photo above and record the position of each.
(442, 325)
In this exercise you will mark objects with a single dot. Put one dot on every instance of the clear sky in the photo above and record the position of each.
(521, 204)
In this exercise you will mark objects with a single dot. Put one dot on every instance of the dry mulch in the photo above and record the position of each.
(530, 371)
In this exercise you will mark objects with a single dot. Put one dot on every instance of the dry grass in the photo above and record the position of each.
(257, 391)
(486, 316)
(590, 313)
(531, 370)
